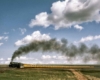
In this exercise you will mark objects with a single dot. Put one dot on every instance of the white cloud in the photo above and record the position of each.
(9, 59)
(1, 59)
(33, 37)
(89, 38)
(78, 27)
(46, 57)
(50, 59)
(4, 61)
(52, 62)
(4, 38)
(1, 44)
(23, 30)
(41, 20)
(67, 13)
(1, 37)
(53, 57)
(13, 29)
(6, 32)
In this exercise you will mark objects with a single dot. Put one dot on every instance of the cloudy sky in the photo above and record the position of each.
(23, 21)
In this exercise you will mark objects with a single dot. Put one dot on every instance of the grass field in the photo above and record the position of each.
(7, 73)
(35, 74)
(91, 72)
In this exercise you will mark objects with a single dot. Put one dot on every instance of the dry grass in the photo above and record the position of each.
(92, 77)
(35, 74)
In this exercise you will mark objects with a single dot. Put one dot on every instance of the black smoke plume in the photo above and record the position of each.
(62, 46)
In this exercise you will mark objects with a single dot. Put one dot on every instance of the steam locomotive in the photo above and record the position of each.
(21, 65)
(16, 65)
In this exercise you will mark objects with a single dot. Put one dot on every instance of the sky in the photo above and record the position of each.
(23, 21)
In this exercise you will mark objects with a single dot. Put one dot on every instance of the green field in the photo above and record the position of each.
(7, 73)
(35, 74)
(91, 72)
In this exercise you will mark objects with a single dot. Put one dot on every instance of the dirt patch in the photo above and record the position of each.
(78, 75)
